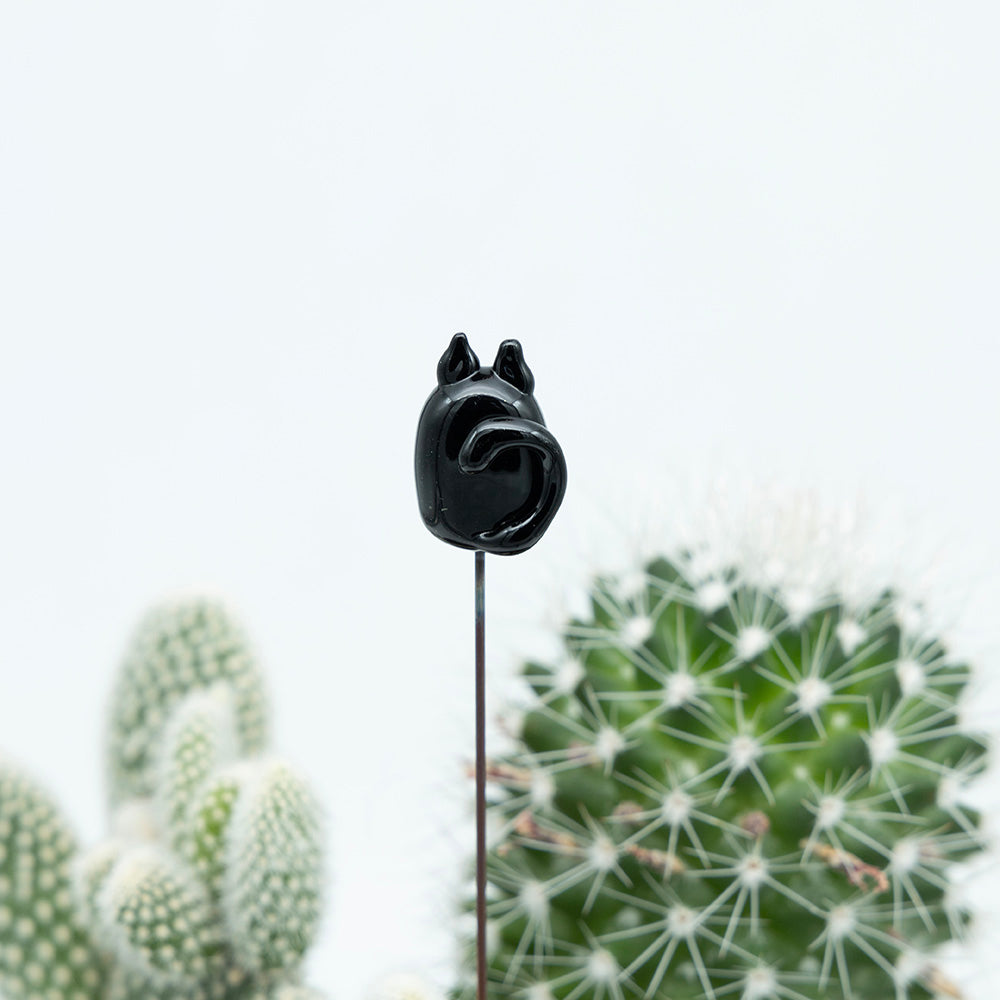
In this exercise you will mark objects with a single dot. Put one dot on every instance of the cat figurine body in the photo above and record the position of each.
(490, 475)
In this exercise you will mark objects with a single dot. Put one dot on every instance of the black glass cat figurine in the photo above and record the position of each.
(490, 475)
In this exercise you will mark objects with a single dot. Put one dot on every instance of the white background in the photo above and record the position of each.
(235, 237)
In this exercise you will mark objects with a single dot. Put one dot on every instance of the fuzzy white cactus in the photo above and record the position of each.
(179, 647)
(210, 886)
(405, 986)
(45, 947)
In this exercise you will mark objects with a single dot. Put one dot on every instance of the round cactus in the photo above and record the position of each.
(727, 788)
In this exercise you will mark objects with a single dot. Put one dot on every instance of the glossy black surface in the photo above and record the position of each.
(490, 475)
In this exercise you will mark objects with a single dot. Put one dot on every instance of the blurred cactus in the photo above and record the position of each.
(209, 887)
(726, 788)
(405, 986)
(179, 648)
(45, 948)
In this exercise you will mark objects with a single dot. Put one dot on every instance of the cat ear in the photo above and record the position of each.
(510, 366)
(457, 362)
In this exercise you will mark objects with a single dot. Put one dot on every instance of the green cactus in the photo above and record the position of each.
(724, 788)
(210, 886)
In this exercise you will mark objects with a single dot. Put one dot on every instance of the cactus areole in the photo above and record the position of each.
(490, 475)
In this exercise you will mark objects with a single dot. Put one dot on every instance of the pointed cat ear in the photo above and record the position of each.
(457, 362)
(510, 366)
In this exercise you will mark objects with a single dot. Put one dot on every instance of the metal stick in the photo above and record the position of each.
(481, 773)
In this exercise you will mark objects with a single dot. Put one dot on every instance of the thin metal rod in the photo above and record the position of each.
(481, 773)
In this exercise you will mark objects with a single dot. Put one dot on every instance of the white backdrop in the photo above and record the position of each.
(235, 237)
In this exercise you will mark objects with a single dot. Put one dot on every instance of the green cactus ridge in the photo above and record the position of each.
(722, 789)
(210, 886)
(204, 842)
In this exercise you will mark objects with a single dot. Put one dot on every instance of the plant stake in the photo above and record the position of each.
(490, 477)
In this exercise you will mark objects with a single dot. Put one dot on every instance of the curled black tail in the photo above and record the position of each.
(487, 441)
